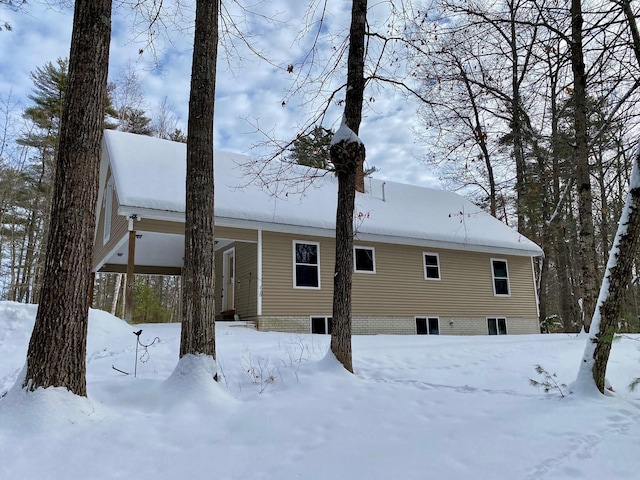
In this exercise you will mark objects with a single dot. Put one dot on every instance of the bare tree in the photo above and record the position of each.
(620, 264)
(57, 349)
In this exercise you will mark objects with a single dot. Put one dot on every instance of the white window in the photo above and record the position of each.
(427, 326)
(306, 264)
(108, 205)
(431, 266)
(321, 325)
(364, 259)
(500, 274)
(497, 325)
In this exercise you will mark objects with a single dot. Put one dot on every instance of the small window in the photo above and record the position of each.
(497, 326)
(364, 259)
(108, 205)
(427, 326)
(500, 277)
(431, 266)
(306, 259)
(321, 325)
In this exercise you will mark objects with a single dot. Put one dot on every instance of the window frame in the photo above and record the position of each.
(428, 320)
(295, 264)
(108, 211)
(328, 325)
(494, 278)
(424, 266)
(373, 259)
(497, 320)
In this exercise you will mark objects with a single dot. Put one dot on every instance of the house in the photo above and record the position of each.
(426, 261)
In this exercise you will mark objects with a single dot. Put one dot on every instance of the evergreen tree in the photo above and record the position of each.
(198, 305)
(312, 149)
(57, 349)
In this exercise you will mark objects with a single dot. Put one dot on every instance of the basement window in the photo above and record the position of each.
(321, 325)
(427, 326)
(497, 326)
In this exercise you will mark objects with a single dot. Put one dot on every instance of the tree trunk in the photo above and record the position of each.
(57, 349)
(586, 238)
(198, 304)
(116, 293)
(617, 279)
(348, 156)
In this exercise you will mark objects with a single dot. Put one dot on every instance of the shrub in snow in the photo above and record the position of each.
(548, 382)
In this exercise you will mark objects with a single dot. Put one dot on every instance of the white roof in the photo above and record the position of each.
(150, 173)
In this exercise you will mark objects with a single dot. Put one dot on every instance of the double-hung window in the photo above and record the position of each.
(364, 259)
(431, 266)
(306, 264)
(500, 274)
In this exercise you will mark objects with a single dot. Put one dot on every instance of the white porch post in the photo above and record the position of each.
(259, 283)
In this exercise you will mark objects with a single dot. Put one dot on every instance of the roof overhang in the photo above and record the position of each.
(326, 232)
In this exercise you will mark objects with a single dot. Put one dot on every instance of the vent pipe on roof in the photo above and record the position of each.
(384, 198)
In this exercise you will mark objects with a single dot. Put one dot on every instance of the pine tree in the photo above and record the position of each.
(312, 149)
(198, 306)
(57, 349)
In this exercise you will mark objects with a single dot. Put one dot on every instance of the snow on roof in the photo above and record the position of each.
(150, 173)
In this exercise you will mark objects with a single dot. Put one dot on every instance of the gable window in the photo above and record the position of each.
(427, 326)
(431, 266)
(321, 325)
(108, 205)
(500, 277)
(497, 326)
(364, 259)
(306, 264)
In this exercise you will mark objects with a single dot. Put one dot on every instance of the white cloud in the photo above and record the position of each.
(251, 89)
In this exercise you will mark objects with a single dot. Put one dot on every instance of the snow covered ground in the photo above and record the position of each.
(419, 407)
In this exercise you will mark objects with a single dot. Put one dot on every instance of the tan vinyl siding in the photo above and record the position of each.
(164, 226)
(465, 287)
(232, 233)
(246, 261)
(159, 226)
(119, 229)
(398, 288)
(279, 297)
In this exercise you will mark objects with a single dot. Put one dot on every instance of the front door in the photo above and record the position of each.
(229, 272)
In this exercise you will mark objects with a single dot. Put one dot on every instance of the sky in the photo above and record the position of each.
(250, 92)
(419, 407)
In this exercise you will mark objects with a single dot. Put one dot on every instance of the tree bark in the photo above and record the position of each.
(586, 238)
(617, 279)
(57, 349)
(198, 301)
(348, 157)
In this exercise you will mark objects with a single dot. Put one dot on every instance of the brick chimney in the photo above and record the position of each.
(360, 176)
